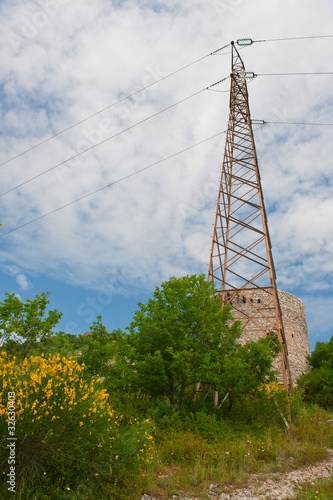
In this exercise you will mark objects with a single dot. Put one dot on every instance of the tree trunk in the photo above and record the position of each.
(171, 390)
(206, 391)
(231, 400)
(26, 349)
(180, 400)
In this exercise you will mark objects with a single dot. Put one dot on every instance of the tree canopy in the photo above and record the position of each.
(317, 385)
(100, 349)
(182, 338)
(26, 322)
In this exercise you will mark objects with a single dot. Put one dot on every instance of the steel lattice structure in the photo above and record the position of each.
(241, 262)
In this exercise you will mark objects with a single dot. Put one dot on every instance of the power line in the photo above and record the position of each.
(243, 42)
(112, 184)
(293, 38)
(294, 74)
(247, 41)
(108, 139)
(98, 144)
(111, 105)
(302, 123)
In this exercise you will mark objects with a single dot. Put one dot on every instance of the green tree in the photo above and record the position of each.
(322, 355)
(25, 323)
(65, 344)
(181, 337)
(317, 385)
(105, 355)
(99, 349)
(181, 341)
(250, 366)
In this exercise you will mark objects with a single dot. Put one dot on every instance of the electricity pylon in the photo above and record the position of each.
(241, 262)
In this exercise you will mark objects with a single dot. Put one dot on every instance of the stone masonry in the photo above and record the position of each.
(296, 333)
(251, 300)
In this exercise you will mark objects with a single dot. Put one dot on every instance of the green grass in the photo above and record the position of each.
(187, 462)
(322, 489)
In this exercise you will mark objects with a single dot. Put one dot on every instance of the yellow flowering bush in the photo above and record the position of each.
(280, 402)
(68, 434)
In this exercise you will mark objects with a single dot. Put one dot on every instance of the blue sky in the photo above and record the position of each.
(63, 61)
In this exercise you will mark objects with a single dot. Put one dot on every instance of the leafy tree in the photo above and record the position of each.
(66, 344)
(104, 355)
(180, 338)
(25, 323)
(249, 366)
(97, 349)
(317, 385)
(322, 355)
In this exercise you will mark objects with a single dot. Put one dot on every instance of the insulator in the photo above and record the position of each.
(250, 75)
(244, 41)
(246, 74)
(258, 122)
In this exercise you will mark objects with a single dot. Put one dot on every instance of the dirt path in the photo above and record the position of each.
(278, 487)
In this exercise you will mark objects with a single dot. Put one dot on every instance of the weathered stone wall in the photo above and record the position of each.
(296, 333)
(251, 300)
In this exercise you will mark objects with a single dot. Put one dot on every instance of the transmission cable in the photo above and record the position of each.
(292, 74)
(112, 183)
(293, 38)
(111, 137)
(111, 105)
(301, 123)
(243, 42)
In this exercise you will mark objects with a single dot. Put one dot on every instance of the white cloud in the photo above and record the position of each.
(21, 279)
(23, 282)
(86, 56)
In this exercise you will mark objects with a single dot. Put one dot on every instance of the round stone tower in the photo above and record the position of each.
(294, 323)
(296, 333)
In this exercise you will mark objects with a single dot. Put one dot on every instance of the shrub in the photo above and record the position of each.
(68, 435)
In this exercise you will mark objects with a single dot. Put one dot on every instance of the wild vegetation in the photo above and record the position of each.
(115, 415)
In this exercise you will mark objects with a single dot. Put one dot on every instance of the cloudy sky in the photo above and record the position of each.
(133, 76)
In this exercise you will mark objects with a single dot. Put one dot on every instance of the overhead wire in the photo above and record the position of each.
(294, 74)
(112, 183)
(146, 119)
(112, 105)
(245, 42)
(301, 123)
(109, 138)
(142, 170)
(215, 52)
(292, 38)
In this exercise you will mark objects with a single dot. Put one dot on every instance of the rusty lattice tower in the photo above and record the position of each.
(241, 262)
